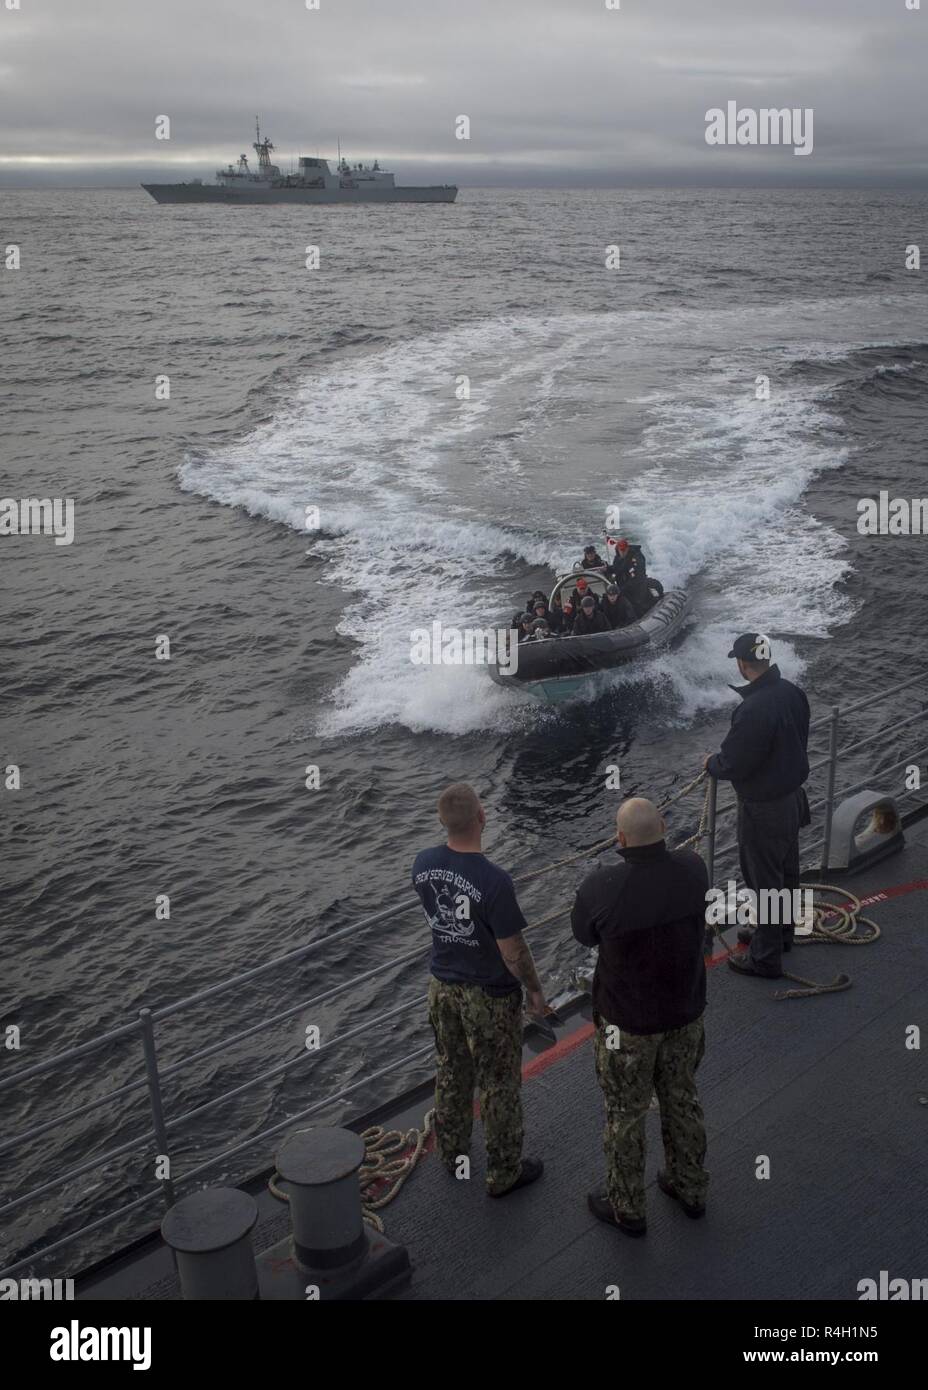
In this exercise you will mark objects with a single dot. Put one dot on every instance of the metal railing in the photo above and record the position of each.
(156, 1140)
(143, 1031)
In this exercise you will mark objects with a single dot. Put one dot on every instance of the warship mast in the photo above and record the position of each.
(262, 149)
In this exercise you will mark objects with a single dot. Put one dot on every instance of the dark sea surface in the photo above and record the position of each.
(336, 388)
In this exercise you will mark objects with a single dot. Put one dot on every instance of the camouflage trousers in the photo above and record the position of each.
(664, 1063)
(479, 1041)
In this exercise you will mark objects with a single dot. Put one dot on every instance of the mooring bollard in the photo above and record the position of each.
(320, 1168)
(331, 1253)
(210, 1234)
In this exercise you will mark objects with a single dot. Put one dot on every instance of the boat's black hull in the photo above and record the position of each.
(565, 657)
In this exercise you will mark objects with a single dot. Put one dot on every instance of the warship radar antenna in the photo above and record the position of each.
(262, 148)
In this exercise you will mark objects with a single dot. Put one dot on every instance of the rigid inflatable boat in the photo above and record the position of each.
(555, 668)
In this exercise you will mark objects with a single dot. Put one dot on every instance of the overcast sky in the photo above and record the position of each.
(557, 91)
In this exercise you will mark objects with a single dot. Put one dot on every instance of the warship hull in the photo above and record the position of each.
(249, 197)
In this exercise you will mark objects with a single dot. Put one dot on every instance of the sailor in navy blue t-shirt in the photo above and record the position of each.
(480, 963)
(470, 905)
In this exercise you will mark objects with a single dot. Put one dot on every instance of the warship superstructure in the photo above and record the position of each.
(314, 182)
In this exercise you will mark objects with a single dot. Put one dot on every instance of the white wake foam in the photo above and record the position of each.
(434, 507)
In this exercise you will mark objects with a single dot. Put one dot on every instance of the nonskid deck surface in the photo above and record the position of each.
(824, 1087)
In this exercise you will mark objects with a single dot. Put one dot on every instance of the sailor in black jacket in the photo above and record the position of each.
(616, 609)
(647, 917)
(630, 573)
(590, 619)
(764, 757)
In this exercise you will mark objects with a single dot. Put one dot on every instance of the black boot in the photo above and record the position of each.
(743, 965)
(745, 935)
(693, 1209)
(603, 1210)
(532, 1169)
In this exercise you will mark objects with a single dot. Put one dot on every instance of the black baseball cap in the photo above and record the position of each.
(588, 602)
(746, 646)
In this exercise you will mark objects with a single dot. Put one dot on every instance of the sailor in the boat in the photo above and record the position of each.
(569, 612)
(526, 622)
(540, 630)
(541, 610)
(619, 559)
(581, 592)
(589, 619)
(630, 573)
(628, 560)
(592, 560)
(616, 608)
(555, 616)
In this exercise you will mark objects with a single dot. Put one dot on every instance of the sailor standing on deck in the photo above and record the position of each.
(480, 962)
(647, 916)
(764, 757)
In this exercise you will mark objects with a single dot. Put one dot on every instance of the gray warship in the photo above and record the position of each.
(315, 182)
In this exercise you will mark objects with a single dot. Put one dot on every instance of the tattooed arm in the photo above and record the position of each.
(518, 960)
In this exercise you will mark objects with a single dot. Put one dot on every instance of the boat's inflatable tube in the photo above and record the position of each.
(599, 651)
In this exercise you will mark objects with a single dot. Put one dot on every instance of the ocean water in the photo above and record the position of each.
(335, 388)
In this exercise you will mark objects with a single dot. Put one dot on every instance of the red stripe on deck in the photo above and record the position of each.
(581, 1035)
(560, 1049)
(917, 885)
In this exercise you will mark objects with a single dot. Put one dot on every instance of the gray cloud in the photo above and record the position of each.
(558, 91)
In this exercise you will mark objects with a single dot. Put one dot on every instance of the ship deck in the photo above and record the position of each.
(824, 1087)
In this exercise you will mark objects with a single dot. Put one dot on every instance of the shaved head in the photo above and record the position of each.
(639, 822)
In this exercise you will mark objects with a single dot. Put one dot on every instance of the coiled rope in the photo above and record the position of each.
(389, 1159)
(844, 932)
